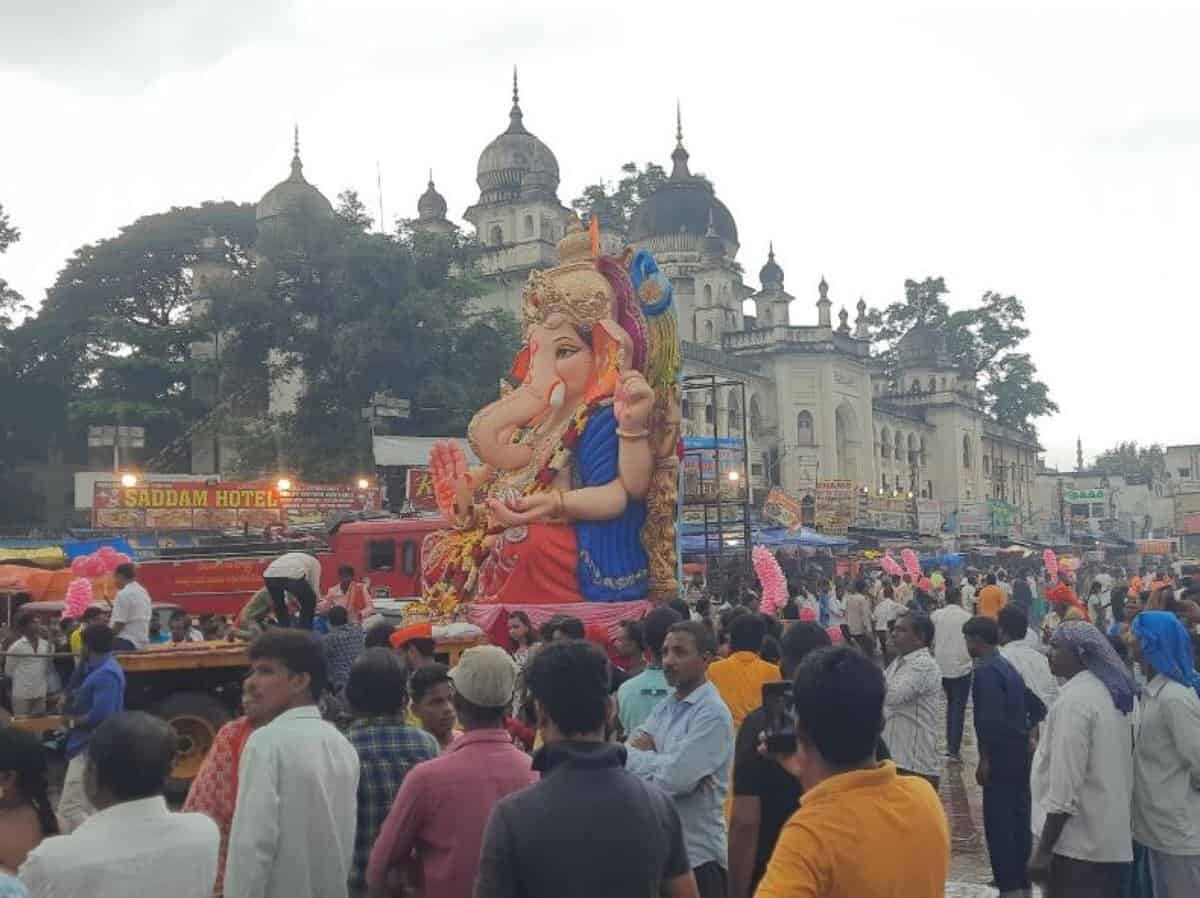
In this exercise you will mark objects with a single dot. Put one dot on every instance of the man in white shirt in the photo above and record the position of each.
(299, 574)
(131, 611)
(967, 590)
(1030, 663)
(885, 614)
(858, 617)
(296, 811)
(950, 652)
(910, 706)
(27, 664)
(133, 845)
(1083, 769)
(1166, 758)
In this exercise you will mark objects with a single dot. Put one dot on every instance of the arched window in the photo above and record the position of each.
(883, 482)
(899, 447)
(885, 444)
(933, 385)
(767, 315)
(804, 428)
(755, 418)
(708, 332)
(708, 294)
(966, 452)
(916, 387)
(734, 415)
(912, 448)
(928, 489)
(923, 456)
(528, 225)
(497, 235)
(943, 383)
(987, 465)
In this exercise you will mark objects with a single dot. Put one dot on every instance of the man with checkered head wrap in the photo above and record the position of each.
(1083, 769)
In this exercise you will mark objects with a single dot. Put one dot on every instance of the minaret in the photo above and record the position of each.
(824, 305)
(431, 212)
(1079, 454)
(679, 158)
(860, 323)
(844, 322)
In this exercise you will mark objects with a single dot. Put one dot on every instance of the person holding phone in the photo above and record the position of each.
(852, 800)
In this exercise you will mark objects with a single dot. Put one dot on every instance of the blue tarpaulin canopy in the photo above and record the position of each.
(692, 540)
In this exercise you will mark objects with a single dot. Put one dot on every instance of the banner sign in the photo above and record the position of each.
(1004, 518)
(418, 489)
(226, 505)
(1096, 496)
(929, 516)
(887, 513)
(974, 518)
(835, 506)
(782, 509)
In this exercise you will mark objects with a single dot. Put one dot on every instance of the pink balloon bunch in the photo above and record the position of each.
(1050, 560)
(771, 579)
(103, 561)
(79, 597)
(890, 566)
(911, 563)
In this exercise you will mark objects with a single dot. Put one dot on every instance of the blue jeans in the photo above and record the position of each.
(958, 690)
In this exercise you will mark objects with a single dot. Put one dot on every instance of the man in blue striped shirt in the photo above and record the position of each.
(685, 747)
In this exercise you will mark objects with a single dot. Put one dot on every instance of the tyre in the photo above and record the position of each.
(195, 717)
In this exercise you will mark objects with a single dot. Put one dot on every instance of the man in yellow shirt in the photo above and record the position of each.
(991, 599)
(852, 802)
(740, 677)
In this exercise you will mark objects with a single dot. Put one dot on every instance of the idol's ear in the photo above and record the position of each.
(520, 366)
(612, 349)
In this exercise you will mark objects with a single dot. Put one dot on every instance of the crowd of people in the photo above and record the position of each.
(643, 761)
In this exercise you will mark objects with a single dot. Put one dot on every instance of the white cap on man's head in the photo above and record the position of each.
(485, 676)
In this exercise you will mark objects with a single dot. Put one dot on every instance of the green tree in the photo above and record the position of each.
(10, 299)
(983, 340)
(351, 210)
(355, 314)
(115, 331)
(1133, 462)
(615, 204)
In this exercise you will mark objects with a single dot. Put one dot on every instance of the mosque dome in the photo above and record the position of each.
(293, 195)
(924, 346)
(516, 165)
(432, 205)
(682, 208)
(770, 276)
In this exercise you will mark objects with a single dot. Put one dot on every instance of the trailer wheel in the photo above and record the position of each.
(195, 717)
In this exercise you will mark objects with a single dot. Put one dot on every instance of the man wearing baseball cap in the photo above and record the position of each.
(442, 807)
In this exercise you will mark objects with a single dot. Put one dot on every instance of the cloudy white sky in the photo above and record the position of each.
(1050, 152)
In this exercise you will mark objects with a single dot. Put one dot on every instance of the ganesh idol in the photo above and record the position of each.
(575, 497)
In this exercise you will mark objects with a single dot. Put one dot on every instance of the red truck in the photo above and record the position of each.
(385, 550)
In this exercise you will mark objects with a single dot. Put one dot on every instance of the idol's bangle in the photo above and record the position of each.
(640, 435)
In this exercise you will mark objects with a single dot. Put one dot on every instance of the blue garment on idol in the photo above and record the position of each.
(612, 561)
(1167, 646)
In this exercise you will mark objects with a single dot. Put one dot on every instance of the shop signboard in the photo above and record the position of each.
(974, 518)
(225, 505)
(835, 506)
(887, 513)
(1095, 496)
(929, 517)
(782, 509)
(1003, 517)
(418, 489)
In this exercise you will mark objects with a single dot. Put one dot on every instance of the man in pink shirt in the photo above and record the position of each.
(441, 809)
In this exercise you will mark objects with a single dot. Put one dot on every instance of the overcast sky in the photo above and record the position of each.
(1048, 153)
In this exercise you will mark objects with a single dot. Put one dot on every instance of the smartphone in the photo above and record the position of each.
(781, 719)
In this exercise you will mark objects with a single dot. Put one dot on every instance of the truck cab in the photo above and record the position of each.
(386, 551)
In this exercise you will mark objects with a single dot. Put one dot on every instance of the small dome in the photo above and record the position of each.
(294, 195)
(516, 164)
(770, 276)
(432, 205)
(924, 346)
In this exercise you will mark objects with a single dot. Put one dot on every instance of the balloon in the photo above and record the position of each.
(937, 579)
(911, 563)
(78, 598)
(94, 567)
(925, 585)
(891, 566)
(1051, 561)
(79, 565)
(835, 634)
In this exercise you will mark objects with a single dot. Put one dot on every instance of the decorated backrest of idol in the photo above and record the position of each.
(575, 496)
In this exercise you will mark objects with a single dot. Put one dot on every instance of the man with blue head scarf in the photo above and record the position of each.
(1166, 760)
(1083, 769)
